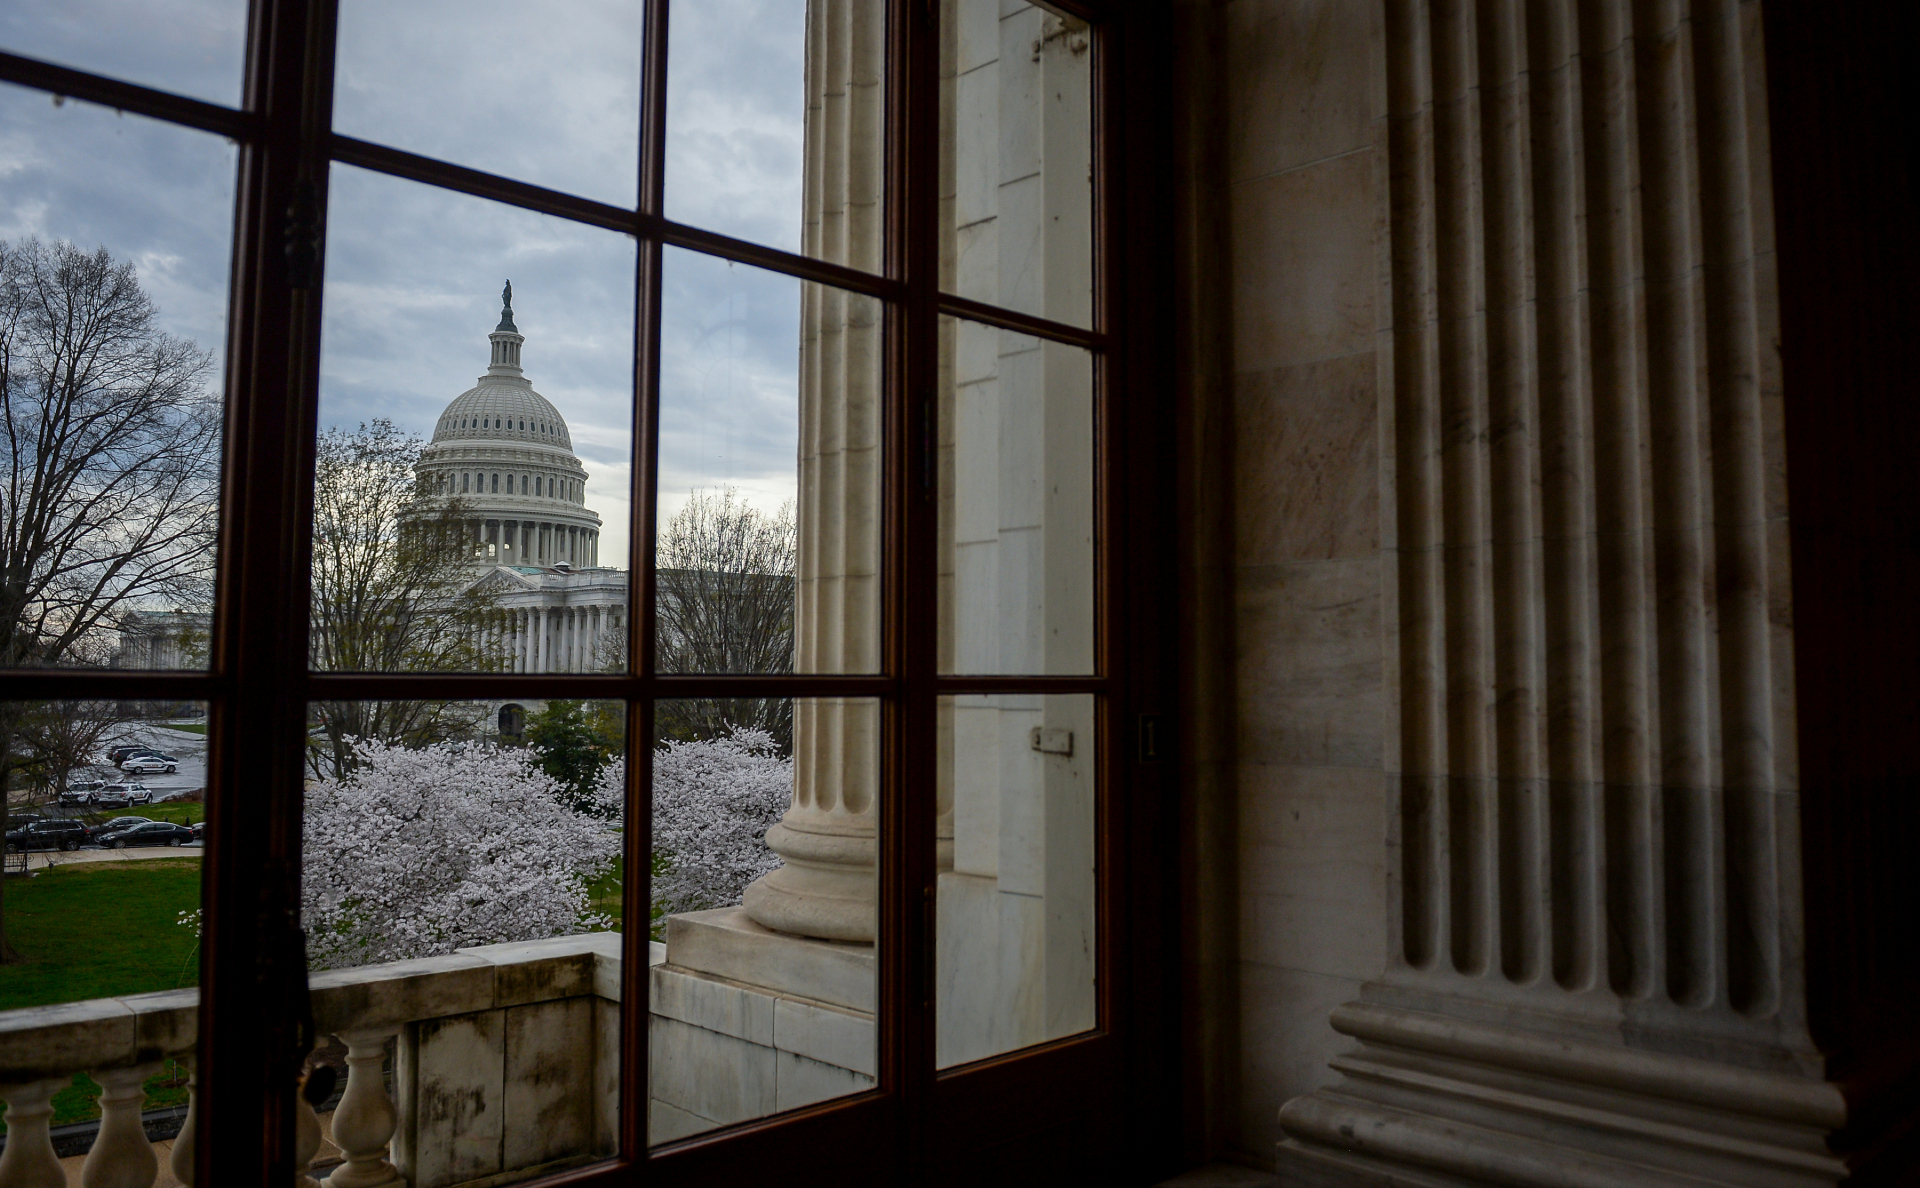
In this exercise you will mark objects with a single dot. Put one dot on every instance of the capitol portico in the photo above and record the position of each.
(503, 452)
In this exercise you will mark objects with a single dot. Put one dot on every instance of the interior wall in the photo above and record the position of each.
(1292, 805)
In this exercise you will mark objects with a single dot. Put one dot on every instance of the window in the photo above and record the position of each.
(941, 659)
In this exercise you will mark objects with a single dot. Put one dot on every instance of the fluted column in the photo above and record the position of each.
(826, 839)
(1589, 630)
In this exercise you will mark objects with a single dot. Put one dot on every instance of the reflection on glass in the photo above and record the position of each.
(1016, 913)
(767, 565)
(1016, 160)
(510, 88)
(105, 814)
(762, 987)
(113, 285)
(774, 123)
(1016, 503)
(462, 523)
(190, 47)
(457, 837)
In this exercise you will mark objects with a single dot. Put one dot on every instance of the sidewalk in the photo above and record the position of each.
(42, 859)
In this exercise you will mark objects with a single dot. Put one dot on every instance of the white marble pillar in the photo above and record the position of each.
(826, 885)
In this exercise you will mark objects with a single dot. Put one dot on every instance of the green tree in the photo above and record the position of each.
(572, 747)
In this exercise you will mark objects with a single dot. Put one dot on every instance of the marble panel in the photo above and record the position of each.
(1306, 461)
(400, 991)
(458, 1119)
(976, 150)
(606, 1076)
(54, 1040)
(976, 34)
(826, 1034)
(976, 788)
(966, 969)
(548, 1088)
(1309, 671)
(665, 1123)
(799, 1081)
(705, 1073)
(1304, 279)
(167, 1021)
(726, 942)
(976, 260)
(1323, 936)
(1286, 1042)
(1303, 75)
(1020, 150)
(540, 970)
(729, 1008)
(1022, 282)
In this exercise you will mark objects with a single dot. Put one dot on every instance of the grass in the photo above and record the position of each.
(99, 930)
(179, 814)
(187, 728)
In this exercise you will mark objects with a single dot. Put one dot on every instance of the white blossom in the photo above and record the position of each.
(712, 803)
(418, 852)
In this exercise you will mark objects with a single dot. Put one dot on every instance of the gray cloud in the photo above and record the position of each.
(413, 273)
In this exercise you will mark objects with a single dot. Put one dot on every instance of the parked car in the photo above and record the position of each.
(148, 765)
(78, 790)
(199, 830)
(101, 832)
(120, 796)
(152, 833)
(116, 754)
(54, 833)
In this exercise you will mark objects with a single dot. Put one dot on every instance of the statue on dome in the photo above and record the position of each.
(506, 296)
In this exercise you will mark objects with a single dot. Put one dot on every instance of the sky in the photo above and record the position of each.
(414, 273)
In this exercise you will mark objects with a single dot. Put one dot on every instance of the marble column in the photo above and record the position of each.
(1593, 932)
(826, 840)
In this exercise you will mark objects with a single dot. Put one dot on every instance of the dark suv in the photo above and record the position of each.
(53, 833)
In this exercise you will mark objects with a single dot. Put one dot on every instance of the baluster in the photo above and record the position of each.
(121, 1156)
(181, 1160)
(29, 1161)
(364, 1122)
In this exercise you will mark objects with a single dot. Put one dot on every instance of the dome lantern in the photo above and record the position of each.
(506, 339)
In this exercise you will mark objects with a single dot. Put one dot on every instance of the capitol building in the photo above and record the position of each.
(502, 453)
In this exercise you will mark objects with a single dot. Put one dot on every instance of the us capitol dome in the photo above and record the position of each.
(503, 452)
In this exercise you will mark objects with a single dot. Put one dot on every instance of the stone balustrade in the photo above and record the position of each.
(505, 1059)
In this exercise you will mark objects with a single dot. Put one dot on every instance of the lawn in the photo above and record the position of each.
(186, 727)
(179, 814)
(98, 930)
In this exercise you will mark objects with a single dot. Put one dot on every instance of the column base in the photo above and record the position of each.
(1428, 1101)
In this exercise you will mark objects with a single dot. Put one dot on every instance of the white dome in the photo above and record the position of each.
(502, 408)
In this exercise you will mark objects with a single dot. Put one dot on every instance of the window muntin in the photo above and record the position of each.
(909, 301)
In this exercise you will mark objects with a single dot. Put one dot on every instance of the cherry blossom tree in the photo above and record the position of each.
(713, 801)
(415, 852)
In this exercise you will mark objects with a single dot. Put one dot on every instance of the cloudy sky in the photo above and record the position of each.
(414, 273)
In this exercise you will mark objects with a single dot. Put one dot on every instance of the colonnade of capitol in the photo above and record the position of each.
(504, 452)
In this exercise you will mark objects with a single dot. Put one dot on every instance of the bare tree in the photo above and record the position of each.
(725, 605)
(393, 573)
(109, 466)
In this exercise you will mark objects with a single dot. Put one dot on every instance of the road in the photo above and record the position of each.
(190, 749)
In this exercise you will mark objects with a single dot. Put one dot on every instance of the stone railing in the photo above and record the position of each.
(505, 1059)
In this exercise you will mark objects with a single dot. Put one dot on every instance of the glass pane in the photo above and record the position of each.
(763, 981)
(774, 123)
(100, 906)
(190, 47)
(113, 305)
(1016, 169)
(1016, 910)
(768, 541)
(1016, 503)
(462, 895)
(462, 523)
(545, 96)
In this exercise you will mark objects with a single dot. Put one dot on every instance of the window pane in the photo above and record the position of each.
(1016, 161)
(101, 908)
(1016, 910)
(114, 254)
(511, 88)
(768, 541)
(462, 523)
(1016, 503)
(461, 895)
(775, 113)
(190, 47)
(763, 982)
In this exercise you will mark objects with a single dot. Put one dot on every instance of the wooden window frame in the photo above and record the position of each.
(1103, 1106)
